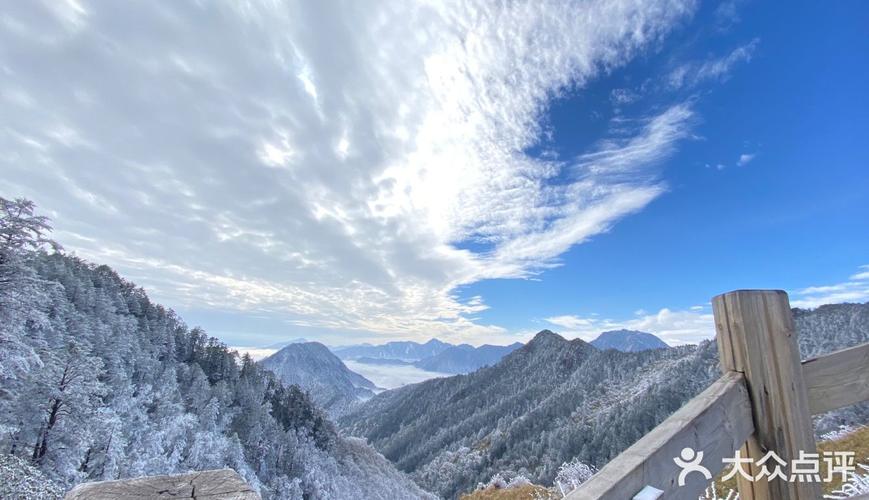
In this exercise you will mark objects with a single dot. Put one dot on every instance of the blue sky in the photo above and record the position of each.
(794, 216)
(474, 172)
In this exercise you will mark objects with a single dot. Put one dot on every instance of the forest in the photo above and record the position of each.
(97, 382)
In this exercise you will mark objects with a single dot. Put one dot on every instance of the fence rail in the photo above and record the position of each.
(763, 402)
(838, 379)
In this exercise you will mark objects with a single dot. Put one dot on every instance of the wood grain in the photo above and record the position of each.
(837, 379)
(221, 484)
(757, 337)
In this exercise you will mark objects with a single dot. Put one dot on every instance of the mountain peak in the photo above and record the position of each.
(314, 368)
(546, 337)
(628, 341)
(311, 346)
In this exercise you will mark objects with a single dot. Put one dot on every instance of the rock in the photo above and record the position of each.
(221, 484)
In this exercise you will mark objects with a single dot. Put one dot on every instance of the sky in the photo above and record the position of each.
(471, 171)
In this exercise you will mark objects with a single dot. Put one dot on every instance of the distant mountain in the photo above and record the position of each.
(403, 350)
(466, 358)
(541, 405)
(628, 341)
(315, 369)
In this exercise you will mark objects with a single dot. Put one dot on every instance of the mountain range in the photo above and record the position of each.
(313, 367)
(443, 357)
(401, 350)
(336, 388)
(465, 358)
(554, 399)
(541, 405)
(433, 356)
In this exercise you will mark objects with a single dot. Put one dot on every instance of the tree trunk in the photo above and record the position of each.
(42, 448)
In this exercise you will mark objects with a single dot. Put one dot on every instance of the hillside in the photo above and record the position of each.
(97, 382)
(542, 405)
(833, 327)
(315, 369)
(19, 479)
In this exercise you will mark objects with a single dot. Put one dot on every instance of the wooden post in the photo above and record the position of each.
(756, 337)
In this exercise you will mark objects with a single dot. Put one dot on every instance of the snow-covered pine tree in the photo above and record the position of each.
(97, 382)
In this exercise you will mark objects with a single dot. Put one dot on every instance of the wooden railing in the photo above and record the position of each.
(763, 402)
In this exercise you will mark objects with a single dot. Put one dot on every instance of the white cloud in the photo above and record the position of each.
(677, 327)
(861, 275)
(628, 156)
(256, 353)
(744, 159)
(856, 289)
(392, 376)
(621, 97)
(691, 74)
(229, 156)
(571, 323)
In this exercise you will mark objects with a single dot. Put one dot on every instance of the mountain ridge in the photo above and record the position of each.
(554, 400)
(403, 350)
(465, 358)
(454, 432)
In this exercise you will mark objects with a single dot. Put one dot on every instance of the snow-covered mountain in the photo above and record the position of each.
(541, 405)
(628, 341)
(466, 358)
(553, 400)
(834, 326)
(147, 395)
(433, 356)
(313, 367)
(402, 350)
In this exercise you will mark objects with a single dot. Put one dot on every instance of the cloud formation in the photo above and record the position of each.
(677, 327)
(744, 159)
(323, 163)
(717, 69)
(855, 289)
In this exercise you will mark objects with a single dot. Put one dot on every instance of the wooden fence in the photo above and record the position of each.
(763, 402)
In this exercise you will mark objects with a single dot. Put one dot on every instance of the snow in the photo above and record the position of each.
(18, 479)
